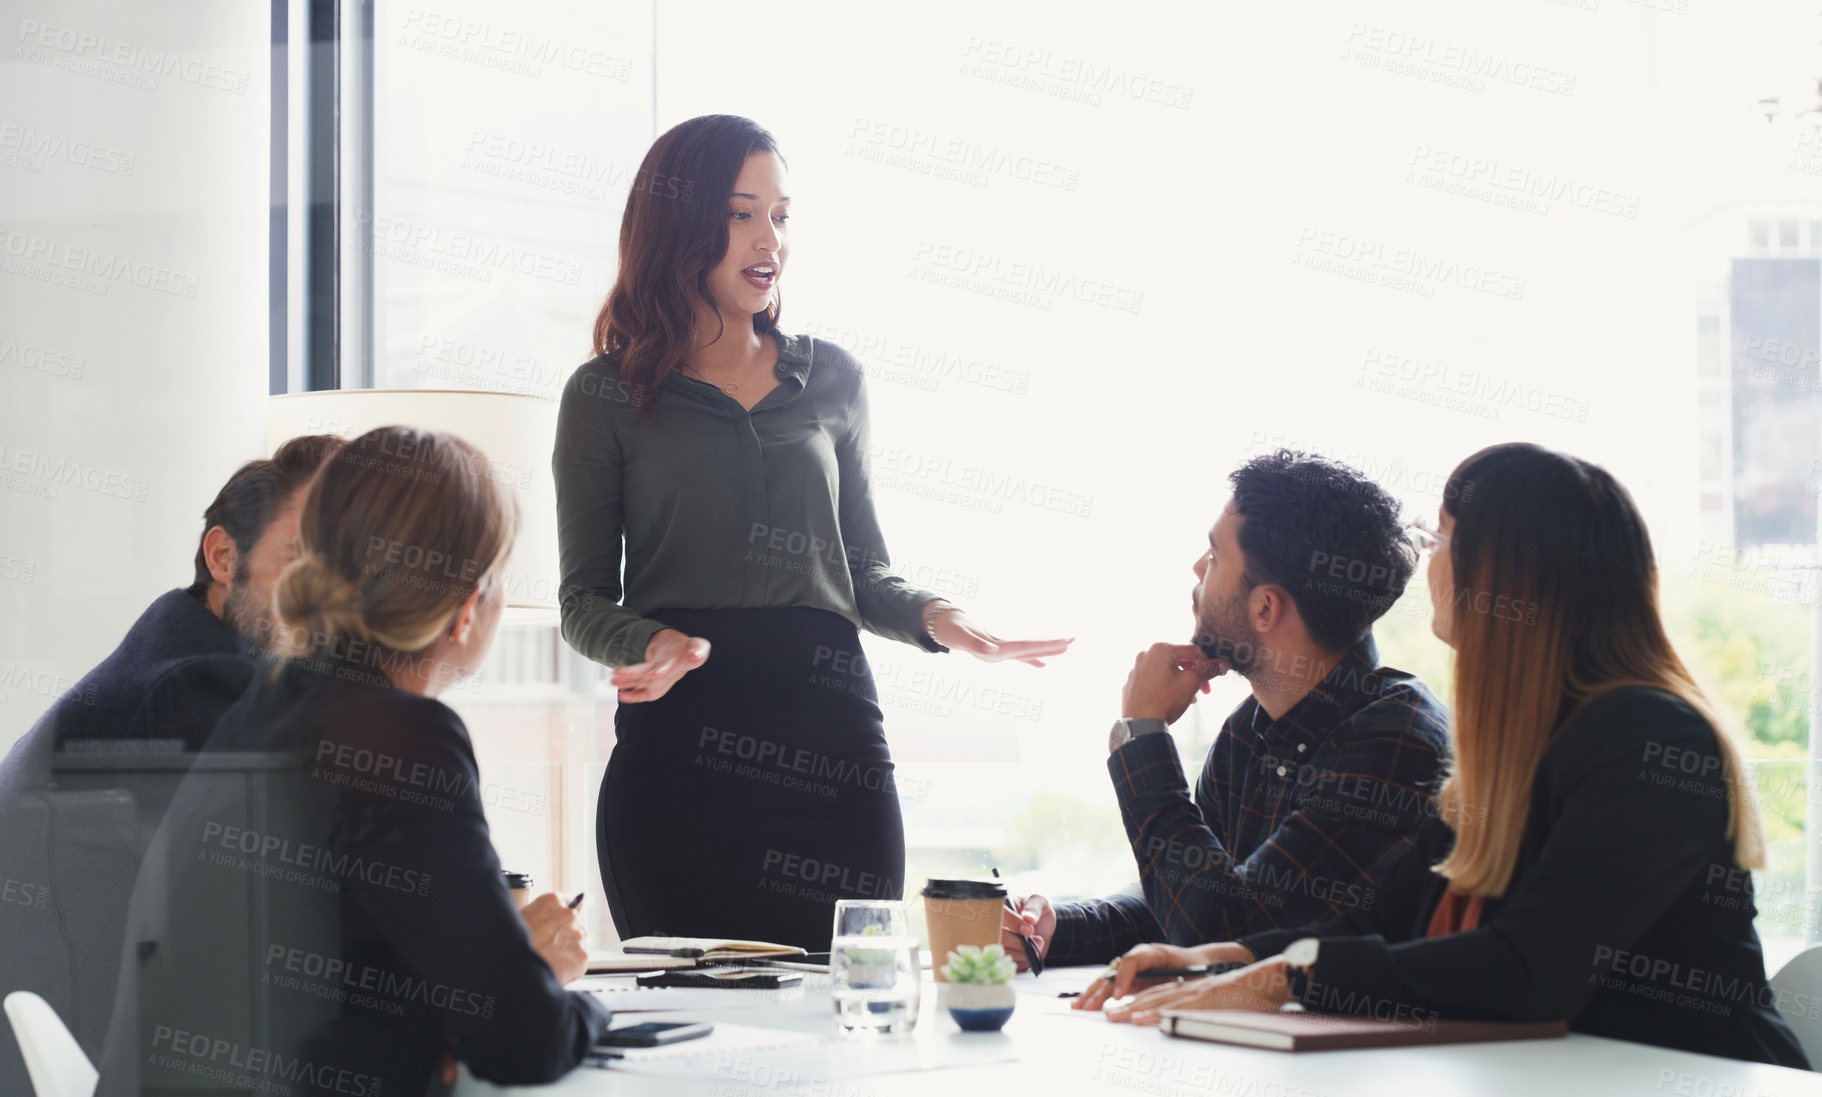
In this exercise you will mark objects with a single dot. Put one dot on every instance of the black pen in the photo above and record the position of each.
(1032, 959)
(577, 901)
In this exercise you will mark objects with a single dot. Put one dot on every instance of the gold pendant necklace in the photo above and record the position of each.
(731, 390)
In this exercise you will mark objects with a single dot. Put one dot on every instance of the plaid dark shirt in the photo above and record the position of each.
(1294, 820)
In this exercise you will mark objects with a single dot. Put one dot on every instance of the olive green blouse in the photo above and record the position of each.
(721, 508)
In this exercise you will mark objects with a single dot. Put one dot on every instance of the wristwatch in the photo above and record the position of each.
(1126, 730)
(935, 609)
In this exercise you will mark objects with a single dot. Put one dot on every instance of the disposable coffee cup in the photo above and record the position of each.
(518, 885)
(961, 912)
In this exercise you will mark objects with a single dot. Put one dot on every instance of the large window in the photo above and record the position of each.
(1095, 261)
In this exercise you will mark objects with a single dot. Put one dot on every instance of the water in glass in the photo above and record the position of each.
(875, 980)
(874, 972)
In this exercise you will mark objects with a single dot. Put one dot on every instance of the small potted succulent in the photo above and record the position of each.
(980, 995)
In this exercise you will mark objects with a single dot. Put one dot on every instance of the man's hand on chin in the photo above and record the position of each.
(1165, 679)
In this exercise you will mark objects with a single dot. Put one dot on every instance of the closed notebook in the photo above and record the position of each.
(1298, 1030)
(708, 949)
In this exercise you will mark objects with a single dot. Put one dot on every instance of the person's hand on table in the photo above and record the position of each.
(1125, 979)
(1035, 918)
(668, 656)
(1260, 986)
(1165, 679)
(954, 631)
(556, 936)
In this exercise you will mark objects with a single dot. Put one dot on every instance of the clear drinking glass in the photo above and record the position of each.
(874, 973)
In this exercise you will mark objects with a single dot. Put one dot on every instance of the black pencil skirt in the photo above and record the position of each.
(758, 791)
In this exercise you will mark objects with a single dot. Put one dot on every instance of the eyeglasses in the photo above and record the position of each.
(1425, 535)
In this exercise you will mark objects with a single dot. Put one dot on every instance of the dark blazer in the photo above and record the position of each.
(381, 931)
(1627, 914)
(172, 676)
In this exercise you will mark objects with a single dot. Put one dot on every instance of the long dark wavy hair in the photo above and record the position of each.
(673, 233)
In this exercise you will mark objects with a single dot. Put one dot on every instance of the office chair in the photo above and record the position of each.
(52, 1057)
(70, 857)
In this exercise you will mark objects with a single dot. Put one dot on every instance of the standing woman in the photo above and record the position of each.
(726, 464)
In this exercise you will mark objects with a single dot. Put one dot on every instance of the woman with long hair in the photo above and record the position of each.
(385, 946)
(724, 466)
(1590, 859)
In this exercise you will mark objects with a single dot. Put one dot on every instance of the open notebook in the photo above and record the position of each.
(1297, 1030)
(708, 950)
(605, 962)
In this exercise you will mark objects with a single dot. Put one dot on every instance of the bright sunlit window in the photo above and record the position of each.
(1090, 267)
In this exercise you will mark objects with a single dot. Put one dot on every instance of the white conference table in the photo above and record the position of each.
(1047, 1049)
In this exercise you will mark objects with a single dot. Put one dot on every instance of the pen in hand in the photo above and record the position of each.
(577, 901)
(1032, 959)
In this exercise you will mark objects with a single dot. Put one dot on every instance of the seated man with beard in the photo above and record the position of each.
(1318, 781)
(192, 652)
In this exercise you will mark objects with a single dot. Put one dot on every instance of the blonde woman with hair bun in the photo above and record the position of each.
(403, 538)
(374, 847)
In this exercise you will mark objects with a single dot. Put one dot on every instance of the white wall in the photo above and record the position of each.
(133, 205)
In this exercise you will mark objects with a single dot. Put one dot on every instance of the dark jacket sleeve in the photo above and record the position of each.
(458, 927)
(1094, 931)
(187, 701)
(888, 605)
(591, 523)
(1623, 842)
(1365, 796)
